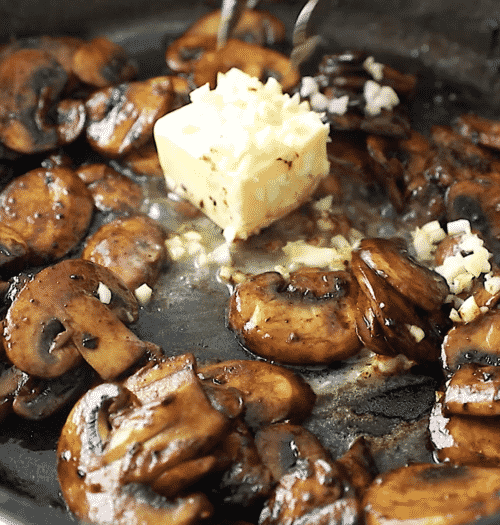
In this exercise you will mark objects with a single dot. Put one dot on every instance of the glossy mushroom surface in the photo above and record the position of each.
(133, 247)
(73, 309)
(310, 319)
(51, 209)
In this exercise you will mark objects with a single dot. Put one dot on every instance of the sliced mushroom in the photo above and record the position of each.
(102, 63)
(282, 445)
(143, 161)
(389, 259)
(14, 251)
(50, 209)
(309, 320)
(270, 393)
(479, 130)
(247, 479)
(478, 202)
(474, 342)
(464, 150)
(111, 190)
(132, 247)
(115, 445)
(312, 491)
(39, 398)
(428, 493)
(254, 60)
(182, 54)
(31, 82)
(464, 440)
(254, 27)
(61, 48)
(11, 381)
(45, 338)
(392, 323)
(358, 466)
(158, 378)
(121, 118)
(474, 391)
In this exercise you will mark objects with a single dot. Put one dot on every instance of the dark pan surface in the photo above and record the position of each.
(452, 45)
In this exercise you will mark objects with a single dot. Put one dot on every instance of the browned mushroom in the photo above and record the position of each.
(121, 118)
(309, 320)
(111, 190)
(182, 54)
(50, 209)
(143, 161)
(116, 444)
(71, 309)
(247, 479)
(389, 258)
(133, 247)
(477, 201)
(102, 63)
(254, 60)
(254, 27)
(31, 83)
(39, 398)
(474, 342)
(282, 445)
(313, 489)
(270, 393)
(473, 390)
(465, 151)
(13, 250)
(397, 301)
(345, 75)
(464, 440)
(427, 493)
(11, 381)
(479, 130)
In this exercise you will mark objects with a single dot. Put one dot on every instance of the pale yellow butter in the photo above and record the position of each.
(244, 153)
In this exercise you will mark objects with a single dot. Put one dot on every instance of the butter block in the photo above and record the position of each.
(244, 153)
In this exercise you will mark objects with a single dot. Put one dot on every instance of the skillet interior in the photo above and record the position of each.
(451, 45)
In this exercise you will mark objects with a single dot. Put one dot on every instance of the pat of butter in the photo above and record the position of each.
(244, 153)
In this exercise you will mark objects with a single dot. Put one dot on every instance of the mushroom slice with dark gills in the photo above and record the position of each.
(71, 309)
(133, 247)
(475, 342)
(116, 444)
(121, 118)
(31, 83)
(403, 301)
(51, 209)
(426, 493)
(309, 319)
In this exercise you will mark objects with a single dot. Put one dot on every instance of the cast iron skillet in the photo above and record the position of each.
(455, 49)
